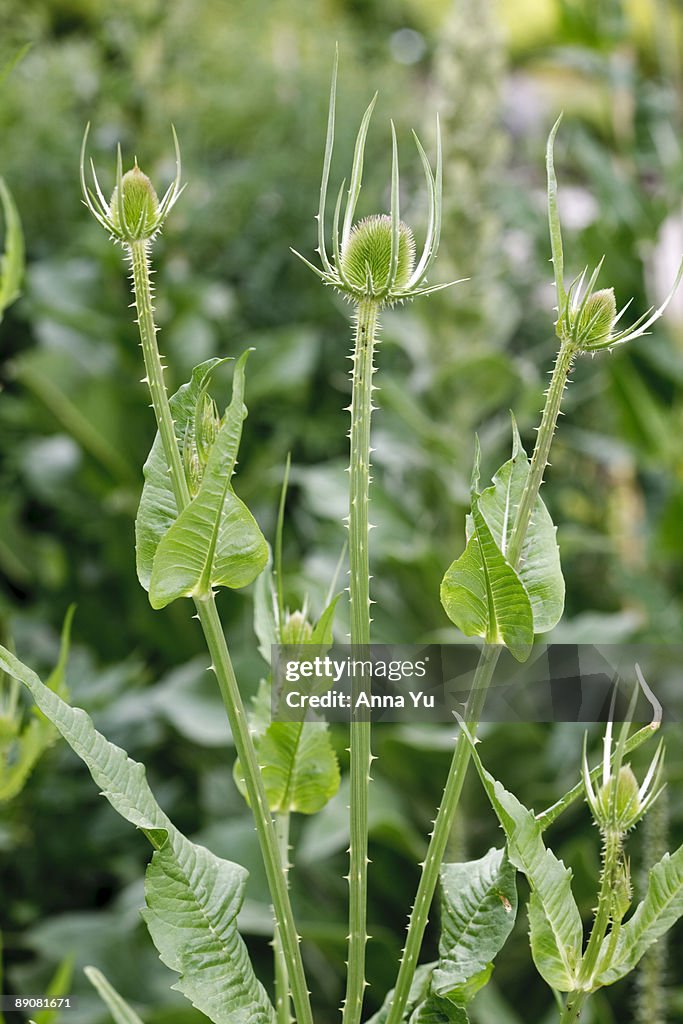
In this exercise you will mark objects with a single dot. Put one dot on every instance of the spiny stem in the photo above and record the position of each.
(611, 854)
(573, 1007)
(612, 851)
(539, 459)
(361, 411)
(282, 1002)
(360, 731)
(221, 663)
(139, 257)
(439, 838)
(483, 676)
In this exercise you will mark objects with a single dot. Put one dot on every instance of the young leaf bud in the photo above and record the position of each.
(622, 892)
(207, 425)
(191, 464)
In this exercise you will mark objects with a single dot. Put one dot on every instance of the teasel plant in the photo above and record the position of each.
(508, 586)
(199, 462)
(373, 265)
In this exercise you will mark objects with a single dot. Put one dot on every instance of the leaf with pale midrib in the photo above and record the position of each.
(539, 566)
(483, 595)
(158, 510)
(556, 930)
(215, 541)
(193, 897)
(478, 910)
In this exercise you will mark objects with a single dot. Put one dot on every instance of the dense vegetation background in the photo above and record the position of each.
(246, 86)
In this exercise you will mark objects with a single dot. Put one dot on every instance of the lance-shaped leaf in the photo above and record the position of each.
(158, 510)
(555, 925)
(30, 741)
(193, 897)
(58, 987)
(660, 909)
(215, 541)
(539, 565)
(116, 1004)
(265, 619)
(478, 910)
(12, 262)
(300, 769)
(483, 595)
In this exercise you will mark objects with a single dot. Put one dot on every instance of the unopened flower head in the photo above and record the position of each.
(588, 318)
(375, 258)
(296, 629)
(134, 213)
(619, 801)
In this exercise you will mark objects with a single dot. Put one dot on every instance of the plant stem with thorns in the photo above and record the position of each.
(482, 679)
(221, 663)
(366, 318)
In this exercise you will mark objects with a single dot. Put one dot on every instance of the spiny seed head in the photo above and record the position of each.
(367, 255)
(374, 259)
(597, 318)
(140, 206)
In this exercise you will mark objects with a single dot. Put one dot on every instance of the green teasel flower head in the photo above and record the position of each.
(619, 801)
(135, 213)
(375, 258)
(588, 318)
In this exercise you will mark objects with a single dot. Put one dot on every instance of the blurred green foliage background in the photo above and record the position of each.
(246, 86)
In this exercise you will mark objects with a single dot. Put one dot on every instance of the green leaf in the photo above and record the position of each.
(483, 595)
(158, 510)
(556, 931)
(117, 1005)
(478, 910)
(539, 566)
(437, 1010)
(215, 541)
(58, 986)
(300, 769)
(660, 909)
(265, 623)
(193, 897)
(38, 735)
(12, 262)
(322, 631)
